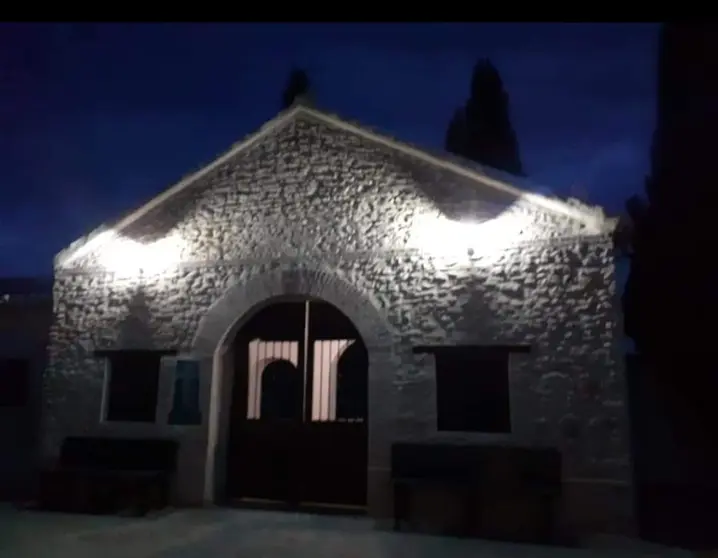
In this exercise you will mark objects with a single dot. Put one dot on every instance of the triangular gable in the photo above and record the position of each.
(592, 217)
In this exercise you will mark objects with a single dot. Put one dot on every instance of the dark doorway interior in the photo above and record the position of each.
(298, 431)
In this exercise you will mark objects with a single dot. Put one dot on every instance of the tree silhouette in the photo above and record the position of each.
(296, 89)
(482, 129)
(677, 209)
(634, 242)
(456, 134)
(671, 297)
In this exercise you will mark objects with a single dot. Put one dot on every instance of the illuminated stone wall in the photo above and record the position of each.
(312, 209)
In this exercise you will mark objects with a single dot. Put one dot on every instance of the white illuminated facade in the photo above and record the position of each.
(430, 232)
(312, 207)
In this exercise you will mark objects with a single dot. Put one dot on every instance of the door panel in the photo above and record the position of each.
(335, 463)
(298, 421)
(260, 448)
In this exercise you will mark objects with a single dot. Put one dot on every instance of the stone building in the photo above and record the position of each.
(293, 279)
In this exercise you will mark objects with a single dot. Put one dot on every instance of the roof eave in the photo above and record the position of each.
(86, 244)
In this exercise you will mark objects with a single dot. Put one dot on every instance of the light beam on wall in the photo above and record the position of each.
(127, 257)
(439, 236)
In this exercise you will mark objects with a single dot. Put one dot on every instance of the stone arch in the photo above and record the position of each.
(217, 329)
(242, 299)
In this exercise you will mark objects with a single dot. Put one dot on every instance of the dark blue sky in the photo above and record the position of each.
(96, 119)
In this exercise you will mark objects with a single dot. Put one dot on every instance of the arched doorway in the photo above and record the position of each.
(298, 421)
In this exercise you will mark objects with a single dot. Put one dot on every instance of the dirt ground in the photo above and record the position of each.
(237, 533)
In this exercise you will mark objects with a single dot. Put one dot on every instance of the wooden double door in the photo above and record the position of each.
(298, 432)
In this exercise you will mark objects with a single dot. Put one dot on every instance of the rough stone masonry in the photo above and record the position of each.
(313, 205)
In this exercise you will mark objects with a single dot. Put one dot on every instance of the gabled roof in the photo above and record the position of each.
(592, 217)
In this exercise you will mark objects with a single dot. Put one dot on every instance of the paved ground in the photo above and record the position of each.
(248, 534)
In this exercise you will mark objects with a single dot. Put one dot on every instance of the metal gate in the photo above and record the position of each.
(298, 432)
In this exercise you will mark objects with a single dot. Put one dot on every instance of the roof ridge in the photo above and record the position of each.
(83, 244)
(572, 208)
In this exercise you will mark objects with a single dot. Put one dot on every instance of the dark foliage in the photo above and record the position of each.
(670, 301)
(456, 134)
(482, 129)
(667, 266)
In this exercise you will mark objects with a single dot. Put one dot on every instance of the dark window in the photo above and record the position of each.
(14, 382)
(133, 386)
(473, 392)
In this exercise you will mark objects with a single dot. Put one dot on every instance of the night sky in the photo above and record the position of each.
(96, 119)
